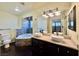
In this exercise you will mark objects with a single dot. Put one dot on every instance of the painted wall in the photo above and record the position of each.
(75, 35)
(9, 23)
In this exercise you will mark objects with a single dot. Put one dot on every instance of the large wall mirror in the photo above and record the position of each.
(41, 24)
(72, 19)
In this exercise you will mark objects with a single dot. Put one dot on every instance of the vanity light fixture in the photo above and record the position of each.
(51, 13)
(45, 15)
(57, 13)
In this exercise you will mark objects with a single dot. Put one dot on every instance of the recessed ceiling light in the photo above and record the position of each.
(17, 9)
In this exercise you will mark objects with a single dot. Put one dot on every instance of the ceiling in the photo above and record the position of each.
(32, 6)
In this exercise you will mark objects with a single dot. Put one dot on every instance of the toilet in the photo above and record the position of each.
(6, 40)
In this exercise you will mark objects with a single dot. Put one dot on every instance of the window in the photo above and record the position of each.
(26, 26)
(56, 26)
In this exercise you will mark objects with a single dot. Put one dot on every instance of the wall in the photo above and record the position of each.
(75, 35)
(9, 23)
(78, 22)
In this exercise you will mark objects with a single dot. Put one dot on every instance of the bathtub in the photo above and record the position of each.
(24, 36)
(23, 39)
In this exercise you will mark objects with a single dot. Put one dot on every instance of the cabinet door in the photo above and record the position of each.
(35, 47)
(51, 49)
(38, 47)
(43, 48)
(72, 52)
(64, 51)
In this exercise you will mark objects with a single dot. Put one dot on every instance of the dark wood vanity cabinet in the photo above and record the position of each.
(43, 48)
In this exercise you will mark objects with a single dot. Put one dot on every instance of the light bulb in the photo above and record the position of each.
(17, 9)
(44, 15)
(50, 14)
(57, 13)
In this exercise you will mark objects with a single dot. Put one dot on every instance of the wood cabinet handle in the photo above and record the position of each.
(58, 50)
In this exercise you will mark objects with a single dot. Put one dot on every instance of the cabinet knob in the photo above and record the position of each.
(67, 51)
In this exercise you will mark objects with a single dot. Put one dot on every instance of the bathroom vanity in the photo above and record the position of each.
(45, 46)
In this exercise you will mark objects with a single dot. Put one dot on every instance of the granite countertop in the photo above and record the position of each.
(63, 42)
